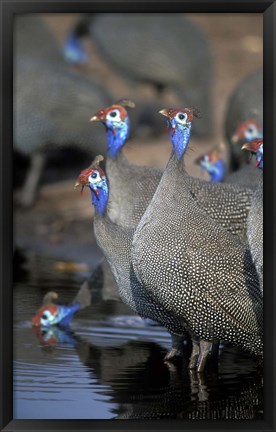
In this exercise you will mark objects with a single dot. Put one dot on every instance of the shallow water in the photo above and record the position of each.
(109, 363)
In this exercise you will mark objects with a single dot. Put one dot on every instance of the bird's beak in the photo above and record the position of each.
(235, 138)
(95, 117)
(252, 147)
(77, 185)
(164, 112)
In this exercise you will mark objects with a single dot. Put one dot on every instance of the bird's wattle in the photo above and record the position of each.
(180, 138)
(99, 198)
(117, 134)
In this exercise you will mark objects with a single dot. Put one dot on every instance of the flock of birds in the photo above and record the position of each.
(184, 252)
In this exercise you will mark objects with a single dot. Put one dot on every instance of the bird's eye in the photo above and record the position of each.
(44, 316)
(94, 175)
(113, 115)
(182, 117)
(250, 129)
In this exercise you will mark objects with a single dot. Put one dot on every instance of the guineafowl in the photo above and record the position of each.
(227, 204)
(52, 103)
(167, 51)
(115, 243)
(245, 105)
(142, 181)
(255, 215)
(213, 163)
(192, 266)
(51, 313)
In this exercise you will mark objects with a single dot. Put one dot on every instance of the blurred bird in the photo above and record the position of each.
(248, 131)
(166, 51)
(214, 164)
(244, 115)
(52, 104)
(51, 313)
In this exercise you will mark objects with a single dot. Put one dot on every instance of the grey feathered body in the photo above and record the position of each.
(247, 176)
(195, 268)
(33, 37)
(255, 229)
(132, 188)
(53, 105)
(115, 242)
(164, 50)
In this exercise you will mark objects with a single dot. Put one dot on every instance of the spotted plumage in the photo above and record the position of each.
(255, 215)
(196, 269)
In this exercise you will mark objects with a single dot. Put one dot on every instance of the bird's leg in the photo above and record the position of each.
(177, 347)
(194, 355)
(193, 384)
(203, 394)
(205, 347)
(29, 190)
(214, 353)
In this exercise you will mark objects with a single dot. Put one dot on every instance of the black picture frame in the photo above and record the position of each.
(8, 9)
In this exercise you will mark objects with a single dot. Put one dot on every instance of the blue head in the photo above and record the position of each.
(180, 123)
(256, 147)
(214, 164)
(95, 178)
(74, 51)
(116, 121)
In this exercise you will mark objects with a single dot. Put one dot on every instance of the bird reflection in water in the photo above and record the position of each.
(135, 376)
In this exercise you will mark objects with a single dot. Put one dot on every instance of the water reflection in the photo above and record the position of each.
(109, 366)
(143, 386)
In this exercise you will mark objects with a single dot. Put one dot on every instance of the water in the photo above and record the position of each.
(109, 364)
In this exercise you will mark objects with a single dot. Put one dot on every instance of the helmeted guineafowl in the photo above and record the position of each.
(127, 201)
(244, 115)
(167, 51)
(192, 266)
(52, 104)
(115, 243)
(255, 215)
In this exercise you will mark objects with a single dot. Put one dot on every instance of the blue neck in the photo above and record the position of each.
(100, 201)
(180, 139)
(259, 158)
(117, 134)
(217, 172)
